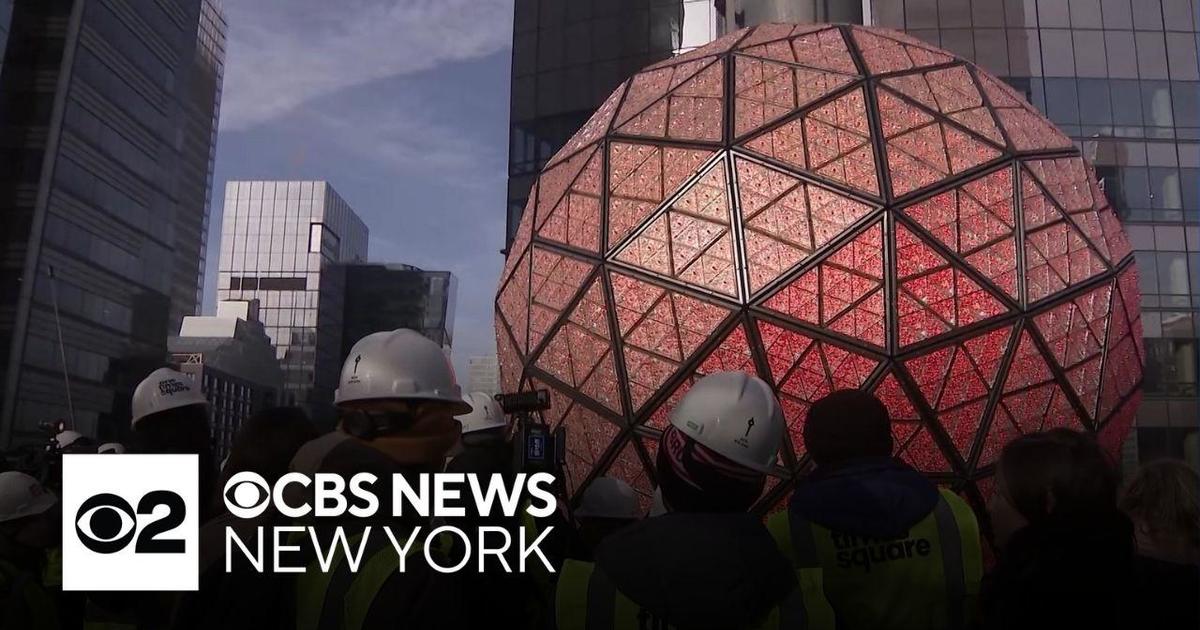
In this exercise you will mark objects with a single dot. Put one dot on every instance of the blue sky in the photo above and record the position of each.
(402, 105)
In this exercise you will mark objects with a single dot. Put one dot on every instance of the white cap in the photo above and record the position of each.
(400, 365)
(735, 415)
(609, 497)
(485, 413)
(116, 448)
(163, 390)
(22, 495)
(67, 438)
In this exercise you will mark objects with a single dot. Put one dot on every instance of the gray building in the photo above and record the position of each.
(483, 374)
(283, 244)
(1121, 77)
(108, 115)
(231, 356)
(387, 297)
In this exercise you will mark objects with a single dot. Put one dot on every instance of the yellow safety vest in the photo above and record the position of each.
(52, 571)
(586, 599)
(21, 591)
(928, 579)
(341, 599)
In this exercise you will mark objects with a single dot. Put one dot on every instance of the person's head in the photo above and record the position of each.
(608, 506)
(398, 393)
(27, 523)
(1059, 473)
(170, 414)
(723, 439)
(1163, 501)
(74, 442)
(485, 423)
(845, 425)
(267, 442)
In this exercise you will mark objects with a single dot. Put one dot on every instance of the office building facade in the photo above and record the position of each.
(1119, 76)
(231, 356)
(483, 374)
(108, 114)
(387, 297)
(283, 244)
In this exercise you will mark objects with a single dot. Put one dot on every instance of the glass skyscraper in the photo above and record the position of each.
(108, 115)
(283, 243)
(387, 297)
(1119, 76)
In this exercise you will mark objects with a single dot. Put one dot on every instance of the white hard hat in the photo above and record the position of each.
(399, 364)
(164, 389)
(608, 497)
(116, 448)
(485, 413)
(735, 415)
(67, 438)
(22, 495)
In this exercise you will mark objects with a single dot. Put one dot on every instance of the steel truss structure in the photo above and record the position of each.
(828, 207)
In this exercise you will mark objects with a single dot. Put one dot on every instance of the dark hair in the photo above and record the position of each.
(267, 442)
(1165, 497)
(847, 424)
(1063, 465)
(179, 430)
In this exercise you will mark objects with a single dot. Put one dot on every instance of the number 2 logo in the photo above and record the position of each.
(106, 523)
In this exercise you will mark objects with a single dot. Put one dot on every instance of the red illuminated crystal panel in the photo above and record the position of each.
(826, 207)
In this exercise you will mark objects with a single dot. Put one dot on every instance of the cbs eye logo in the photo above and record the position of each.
(247, 495)
(106, 523)
(130, 522)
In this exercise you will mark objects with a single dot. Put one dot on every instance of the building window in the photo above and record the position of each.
(268, 284)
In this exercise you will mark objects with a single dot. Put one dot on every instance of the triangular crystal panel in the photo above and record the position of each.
(661, 329)
(935, 297)
(574, 219)
(844, 292)
(890, 52)
(641, 176)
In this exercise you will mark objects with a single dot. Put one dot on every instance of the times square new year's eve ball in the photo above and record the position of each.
(827, 207)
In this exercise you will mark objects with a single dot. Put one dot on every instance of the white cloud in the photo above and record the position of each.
(402, 135)
(282, 53)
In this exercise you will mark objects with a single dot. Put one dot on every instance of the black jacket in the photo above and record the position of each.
(1169, 593)
(698, 571)
(1066, 572)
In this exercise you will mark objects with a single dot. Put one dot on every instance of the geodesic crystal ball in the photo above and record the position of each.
(827, 207)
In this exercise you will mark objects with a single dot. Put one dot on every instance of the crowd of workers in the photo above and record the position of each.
(865, 542)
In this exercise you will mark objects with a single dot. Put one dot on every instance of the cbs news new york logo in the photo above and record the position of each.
(130, 522)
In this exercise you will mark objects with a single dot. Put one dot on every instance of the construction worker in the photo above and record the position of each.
(170, 416)
(485, 446)
(706, 563)
(398, 397)
(74, 442)
(27, 529)
(608, 506)
(897, 552)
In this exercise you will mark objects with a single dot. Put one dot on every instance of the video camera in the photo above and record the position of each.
(538, 449)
